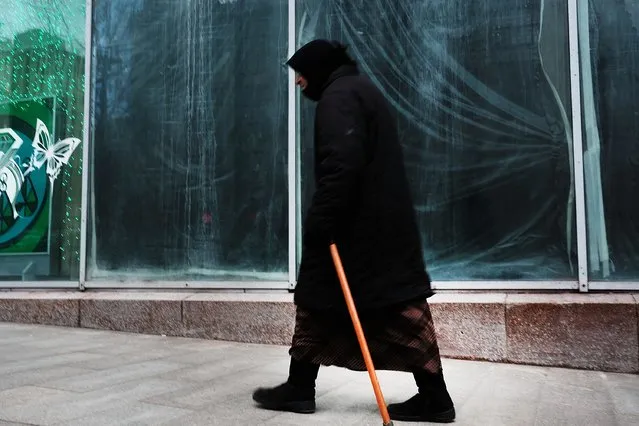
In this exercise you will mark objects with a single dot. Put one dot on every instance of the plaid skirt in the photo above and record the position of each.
(399, 339)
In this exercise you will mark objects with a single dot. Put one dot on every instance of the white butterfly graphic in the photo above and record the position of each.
(55, 155)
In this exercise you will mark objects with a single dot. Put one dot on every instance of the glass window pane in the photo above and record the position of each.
(609, 33)
(41, 122)
(482, 95)
(190, 158)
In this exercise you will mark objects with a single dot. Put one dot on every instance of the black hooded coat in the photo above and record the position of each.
(362, 200)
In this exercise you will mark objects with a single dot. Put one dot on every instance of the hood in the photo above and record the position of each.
(316, 61)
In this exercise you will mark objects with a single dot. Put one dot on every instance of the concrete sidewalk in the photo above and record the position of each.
(83, 377)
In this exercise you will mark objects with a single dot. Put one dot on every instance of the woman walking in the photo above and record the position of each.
(362, 203)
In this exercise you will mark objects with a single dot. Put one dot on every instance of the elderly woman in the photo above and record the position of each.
(362, 203)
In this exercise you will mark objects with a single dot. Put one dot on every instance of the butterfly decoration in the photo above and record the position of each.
(55, 155)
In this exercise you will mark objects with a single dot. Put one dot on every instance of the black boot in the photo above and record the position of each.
(432, 403)
(296, 395)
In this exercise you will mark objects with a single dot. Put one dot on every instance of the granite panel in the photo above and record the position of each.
(590, 331)
(580, 331)
(159, 316)
(39, 310)
(471, 327)
(251, 322)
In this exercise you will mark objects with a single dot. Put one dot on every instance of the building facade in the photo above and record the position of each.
(162, 144)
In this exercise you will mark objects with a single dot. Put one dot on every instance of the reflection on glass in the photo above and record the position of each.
(189, 173)
(41, 123)
(482, 94)
(609, 42)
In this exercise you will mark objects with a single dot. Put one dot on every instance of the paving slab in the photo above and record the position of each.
(63, 359)
(133, 379)
(37, 376)
(137, 413)
(113, 376)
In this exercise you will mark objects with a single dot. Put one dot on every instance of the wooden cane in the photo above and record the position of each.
(360, 336)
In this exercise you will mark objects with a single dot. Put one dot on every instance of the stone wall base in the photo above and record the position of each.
(586, 331)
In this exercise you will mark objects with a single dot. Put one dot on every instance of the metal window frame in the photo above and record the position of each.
(613, 285)
(73, 284)
(292, 153)
(86, 137)
(136, 283)
(53, 284)
(577, 141)
(551, 285)
(582, 283)
(139, 284)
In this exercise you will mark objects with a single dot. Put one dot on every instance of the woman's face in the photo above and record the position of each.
(300, 81)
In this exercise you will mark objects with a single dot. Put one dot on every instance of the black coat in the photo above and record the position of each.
(362, 203)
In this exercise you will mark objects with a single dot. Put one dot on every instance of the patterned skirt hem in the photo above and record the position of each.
(402, 339)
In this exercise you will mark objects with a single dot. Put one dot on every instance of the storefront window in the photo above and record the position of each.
(189, 128)
(481, 90)
(609, 37)
(189, 172)
(41, 122)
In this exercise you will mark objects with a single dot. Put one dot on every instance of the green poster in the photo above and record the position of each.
(25, 184)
